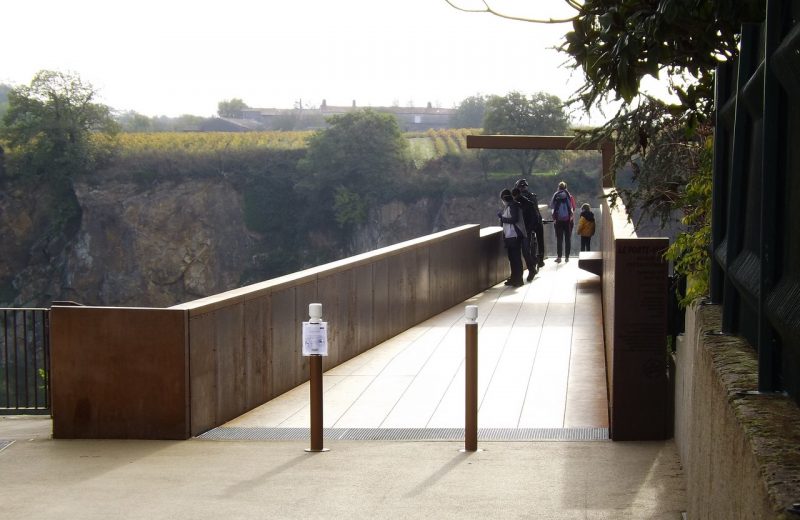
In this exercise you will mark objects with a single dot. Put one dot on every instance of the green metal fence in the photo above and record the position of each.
(756, 252)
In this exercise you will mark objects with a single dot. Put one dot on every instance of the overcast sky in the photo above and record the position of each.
(173, 57)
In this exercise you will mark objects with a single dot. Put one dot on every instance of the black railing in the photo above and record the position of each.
(24, 361)
(755, 271)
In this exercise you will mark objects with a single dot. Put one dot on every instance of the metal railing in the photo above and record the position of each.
(755, 271)
(24, 361)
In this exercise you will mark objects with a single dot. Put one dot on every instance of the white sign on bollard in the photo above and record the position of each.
(315, 338)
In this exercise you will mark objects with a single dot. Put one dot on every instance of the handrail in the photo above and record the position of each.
(177, 372)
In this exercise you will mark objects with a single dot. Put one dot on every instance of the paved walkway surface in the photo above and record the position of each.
(539, 365)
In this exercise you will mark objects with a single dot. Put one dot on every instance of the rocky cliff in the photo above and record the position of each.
(166, 243)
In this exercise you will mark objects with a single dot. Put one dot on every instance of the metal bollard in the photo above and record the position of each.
(471, 380)
(315, 345)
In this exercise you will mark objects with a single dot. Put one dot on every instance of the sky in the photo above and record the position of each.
(173, 57)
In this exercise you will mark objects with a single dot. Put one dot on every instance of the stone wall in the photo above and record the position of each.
(740, 450)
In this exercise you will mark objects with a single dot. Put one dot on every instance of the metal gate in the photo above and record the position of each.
(755, 272)
(24, 361)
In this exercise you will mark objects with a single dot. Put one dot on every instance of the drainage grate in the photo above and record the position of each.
(406, 434)
(5, 444)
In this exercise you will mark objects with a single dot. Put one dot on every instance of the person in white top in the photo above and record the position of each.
(513, 231)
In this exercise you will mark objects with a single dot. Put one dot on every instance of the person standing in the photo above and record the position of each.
(538, 227)
(562, 206)
(586, 227)
(511, 220)
(528, 218)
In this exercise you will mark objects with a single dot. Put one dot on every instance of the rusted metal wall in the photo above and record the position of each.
(119, 373)
(635, 328)
(173, 373)
(245, 344)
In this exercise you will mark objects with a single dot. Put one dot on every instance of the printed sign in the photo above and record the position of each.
(315, 338)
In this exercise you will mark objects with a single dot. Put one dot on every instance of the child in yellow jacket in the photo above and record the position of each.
(586, 227)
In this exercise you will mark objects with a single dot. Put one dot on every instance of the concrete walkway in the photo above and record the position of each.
(538, 369)
(541, 365)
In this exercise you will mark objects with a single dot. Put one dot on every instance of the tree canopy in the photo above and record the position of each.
(50, 124)
(469, 113)
(518, 114)
(231, 108)
(4, 90)
(616, 43)
(355, 160)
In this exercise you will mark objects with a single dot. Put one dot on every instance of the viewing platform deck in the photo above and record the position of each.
(541, 373)
(540, 377)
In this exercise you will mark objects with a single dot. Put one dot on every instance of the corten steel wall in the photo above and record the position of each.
(495, 267)
(245, 344)
(635, 326)
(173, 373)
(119, 373)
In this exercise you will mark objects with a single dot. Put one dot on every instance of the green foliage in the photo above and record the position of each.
(4, 90)
(54, 131)
(518, 114)
(270, 201)
(469, 113)
(49, 124)
(616, 43)
(363, 153)
(349, 207)
(691, 250)
(231, 108)
(132, 121)
(359, 148)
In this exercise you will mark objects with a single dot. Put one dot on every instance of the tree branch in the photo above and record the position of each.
(488, 9)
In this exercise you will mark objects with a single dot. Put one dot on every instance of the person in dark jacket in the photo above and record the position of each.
(538, 228)
(563, 206)
(513, 231)
(528, 216)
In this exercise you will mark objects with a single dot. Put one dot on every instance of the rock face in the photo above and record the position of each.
(171, 242)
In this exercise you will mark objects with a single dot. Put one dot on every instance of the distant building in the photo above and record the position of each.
(409, 119)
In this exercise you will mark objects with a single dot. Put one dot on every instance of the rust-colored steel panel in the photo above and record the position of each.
(258, 350)
(640, 340)
(634, 315)
(203, 372)
(242, 348)
(381, 327)
(363, 314)
(420, 286)
(285, 329)
(401, 303)
(119, 373)
(229, 348)
(334, 293)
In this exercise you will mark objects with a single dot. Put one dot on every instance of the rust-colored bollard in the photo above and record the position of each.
(315, 345)
(471, 380)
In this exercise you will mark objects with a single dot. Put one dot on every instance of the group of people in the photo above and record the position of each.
(523, 228)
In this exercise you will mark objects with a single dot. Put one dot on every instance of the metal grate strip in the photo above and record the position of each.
(5, 444)
(223, 433)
